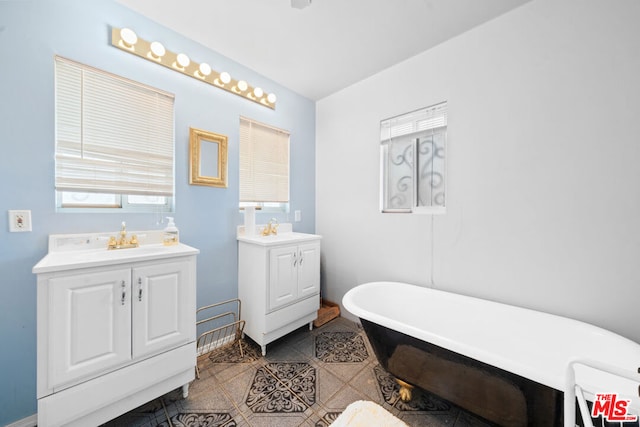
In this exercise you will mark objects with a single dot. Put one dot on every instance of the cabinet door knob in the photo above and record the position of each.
(140, 294)
(295, 258)
(301, 258)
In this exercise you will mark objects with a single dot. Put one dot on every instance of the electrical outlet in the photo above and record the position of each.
(297, 215)
(19, 221)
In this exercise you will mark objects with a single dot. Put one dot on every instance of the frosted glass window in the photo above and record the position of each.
(412, 148)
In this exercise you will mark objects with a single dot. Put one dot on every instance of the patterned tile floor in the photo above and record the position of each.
(306, 379)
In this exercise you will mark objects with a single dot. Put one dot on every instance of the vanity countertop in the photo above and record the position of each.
(74, 251)
(279, 239)
(285, 235)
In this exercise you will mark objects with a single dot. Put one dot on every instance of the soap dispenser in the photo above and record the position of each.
(170, 236)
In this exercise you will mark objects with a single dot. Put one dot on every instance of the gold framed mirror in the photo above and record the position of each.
(208, 153)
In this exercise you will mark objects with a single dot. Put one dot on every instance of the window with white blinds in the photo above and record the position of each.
(413, 161)
(113, 135)
(416, 121)
(264, 163)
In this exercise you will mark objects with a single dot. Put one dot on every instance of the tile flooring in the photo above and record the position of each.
(306, 379)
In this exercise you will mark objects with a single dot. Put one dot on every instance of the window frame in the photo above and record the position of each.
(122, 205)
(409, 129)
(264, 205)
(137, 155)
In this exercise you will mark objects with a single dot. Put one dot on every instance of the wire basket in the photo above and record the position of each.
(222, 328)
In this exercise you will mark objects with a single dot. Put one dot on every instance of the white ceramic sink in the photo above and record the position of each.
(276, 239)
(119, 254)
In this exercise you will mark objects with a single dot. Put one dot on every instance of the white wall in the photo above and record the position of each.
(543, 166)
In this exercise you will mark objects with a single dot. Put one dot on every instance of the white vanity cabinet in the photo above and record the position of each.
(294, 273)
(114, 331)
(278, 284)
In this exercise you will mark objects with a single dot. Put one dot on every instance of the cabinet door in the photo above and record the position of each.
(161, 301)
(308, 269)
(283, 280)
(89, 324)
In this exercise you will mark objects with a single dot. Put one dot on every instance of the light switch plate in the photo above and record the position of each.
(297, 216)
(19, 221)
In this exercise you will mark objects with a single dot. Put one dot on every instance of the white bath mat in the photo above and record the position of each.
(366, 414)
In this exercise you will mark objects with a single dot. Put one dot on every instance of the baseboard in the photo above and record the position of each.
(31, 421)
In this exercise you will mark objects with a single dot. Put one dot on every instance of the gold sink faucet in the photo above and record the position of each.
(271, 228)
(122, 243)
(123, 234)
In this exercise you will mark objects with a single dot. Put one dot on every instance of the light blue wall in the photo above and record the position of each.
(31, 33)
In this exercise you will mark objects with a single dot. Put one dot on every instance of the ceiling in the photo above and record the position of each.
(327, 46)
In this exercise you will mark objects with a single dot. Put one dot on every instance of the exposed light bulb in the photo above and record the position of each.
(128, 36)
(225, 77)
(126, 39)
(205, 69)
(183, 60)
(157, 49)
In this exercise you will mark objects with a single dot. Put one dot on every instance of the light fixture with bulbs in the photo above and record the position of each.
(128, 41)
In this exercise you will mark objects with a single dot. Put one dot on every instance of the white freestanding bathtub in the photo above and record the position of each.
(510, 365)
